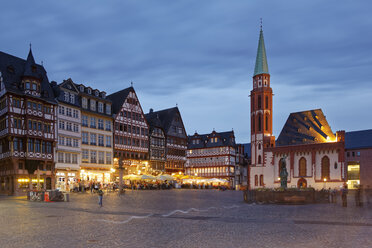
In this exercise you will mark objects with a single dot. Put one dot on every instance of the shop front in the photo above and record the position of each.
(100, 176)
(66, 179)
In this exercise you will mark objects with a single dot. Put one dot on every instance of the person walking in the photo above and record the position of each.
(359, 197)
(100, 197)
(344, 192)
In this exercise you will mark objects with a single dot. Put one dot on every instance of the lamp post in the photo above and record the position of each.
(120, 175)
(325, 181)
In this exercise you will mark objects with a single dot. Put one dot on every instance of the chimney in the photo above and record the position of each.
(151, 110)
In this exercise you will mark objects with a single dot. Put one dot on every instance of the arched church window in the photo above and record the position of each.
(325, 168)
(259, 159)
(302, 167)
(261, 180)
(266, 123)
(259, 102)
(259, 146)
(259, 123)
(256, 180)
(253, 124)
(266, 102)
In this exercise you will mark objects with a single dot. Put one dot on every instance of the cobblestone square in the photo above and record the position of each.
(180, 218)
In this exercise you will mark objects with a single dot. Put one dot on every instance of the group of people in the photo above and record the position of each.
(360, 194)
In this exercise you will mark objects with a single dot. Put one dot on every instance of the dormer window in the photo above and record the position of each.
(72, 98)
(103, 95)
(66, 97)
(96, 93)
(28, 85)
(34, 86)
(89, 91)
(81, 88)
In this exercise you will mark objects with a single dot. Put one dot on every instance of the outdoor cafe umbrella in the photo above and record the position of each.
(132, 177)
(148, 177)
(165, 177)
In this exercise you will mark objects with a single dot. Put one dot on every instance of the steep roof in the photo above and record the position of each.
(118, 98)
(154, 120)
(224, 139)
(261, 60)
(306, 127)
(13, 69)
(166, 117)
(358, 139)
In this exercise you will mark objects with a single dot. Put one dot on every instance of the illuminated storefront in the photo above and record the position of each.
(353, 175)
(101, 176)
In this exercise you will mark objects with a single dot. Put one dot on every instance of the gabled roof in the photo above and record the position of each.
(224, 139)
(358, 139)
(118, 98)
(306, 127)
(154, 121)
(68, 82)
(261, 60)
(13, 69)
(166, 117)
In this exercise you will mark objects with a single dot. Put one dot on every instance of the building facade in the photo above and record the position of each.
(212, 156)
(241, 166)
(27, 126)
(68, 148)
(314, 155)
(157, 155)
(358, 156)
(175, 138)
(96, 135)
(130, 132)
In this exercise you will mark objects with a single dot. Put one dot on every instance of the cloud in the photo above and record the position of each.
(200, 54)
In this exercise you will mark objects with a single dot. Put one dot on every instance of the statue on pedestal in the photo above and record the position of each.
(283, 173)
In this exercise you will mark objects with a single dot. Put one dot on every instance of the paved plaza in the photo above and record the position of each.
(180, 218)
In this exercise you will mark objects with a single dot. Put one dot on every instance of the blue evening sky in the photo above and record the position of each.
(201, 54)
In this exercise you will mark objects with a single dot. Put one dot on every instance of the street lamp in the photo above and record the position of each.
(325, 181)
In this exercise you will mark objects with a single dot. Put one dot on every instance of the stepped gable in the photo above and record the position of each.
(13, 69)
(306, 127)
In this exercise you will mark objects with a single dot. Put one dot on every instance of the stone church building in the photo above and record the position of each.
(314, 155)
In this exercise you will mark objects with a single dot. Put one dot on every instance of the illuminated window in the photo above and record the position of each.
(325, 168)
(261, 180)
(256, 180)
(302, 167)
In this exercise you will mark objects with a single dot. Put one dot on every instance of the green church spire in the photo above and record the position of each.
(261, 60)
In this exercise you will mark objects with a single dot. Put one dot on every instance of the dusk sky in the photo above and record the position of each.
(201, 55)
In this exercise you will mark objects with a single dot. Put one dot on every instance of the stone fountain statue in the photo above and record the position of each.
(283, 173)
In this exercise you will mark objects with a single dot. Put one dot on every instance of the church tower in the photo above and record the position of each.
(261, 107)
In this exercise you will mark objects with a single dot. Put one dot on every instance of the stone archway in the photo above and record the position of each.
(301, 183)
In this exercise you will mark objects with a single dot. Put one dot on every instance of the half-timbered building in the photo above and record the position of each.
(130, 132)
(175, 136)
(212, 155)
(27, 125)
(68, 148)
(157, 155)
